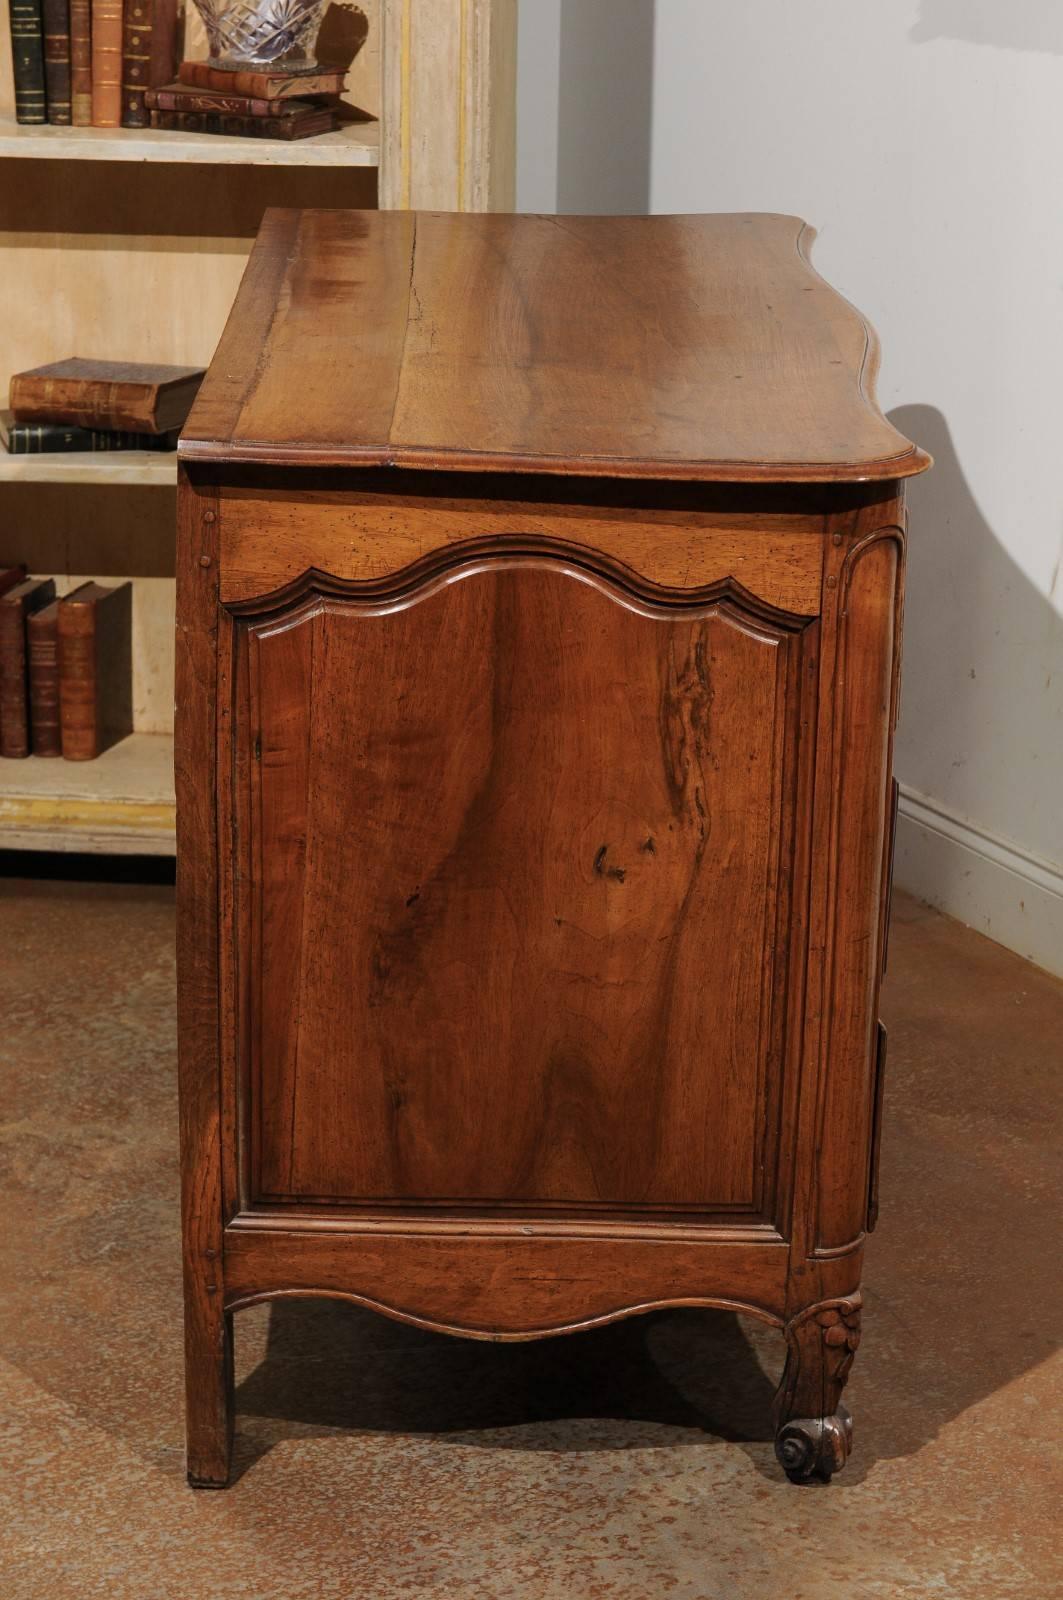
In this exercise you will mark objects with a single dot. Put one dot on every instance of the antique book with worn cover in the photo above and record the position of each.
(265, 85)
(56, 19)
(48, 438)
(95, 669)
(106, 63)
(176, 97)
(303, 125)
(42, 649)
(16, 606)
(149, 54)
(81, 63)
(136, 396)
(27, 52)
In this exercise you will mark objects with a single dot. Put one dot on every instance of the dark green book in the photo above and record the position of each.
(27, 50)
(45, 438)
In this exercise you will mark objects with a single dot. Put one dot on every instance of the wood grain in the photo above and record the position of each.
(471, 988)
(700, 347)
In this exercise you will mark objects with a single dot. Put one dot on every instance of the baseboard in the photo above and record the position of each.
(986, 881)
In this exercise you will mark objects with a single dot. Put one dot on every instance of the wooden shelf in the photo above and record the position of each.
(141, 467)
(356, 145)
(120, 804)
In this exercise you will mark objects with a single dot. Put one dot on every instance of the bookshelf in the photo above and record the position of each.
(135, 253)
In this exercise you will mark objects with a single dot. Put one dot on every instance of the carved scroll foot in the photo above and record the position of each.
(813, 1430)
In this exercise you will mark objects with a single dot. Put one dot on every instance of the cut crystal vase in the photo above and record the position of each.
(262, 33)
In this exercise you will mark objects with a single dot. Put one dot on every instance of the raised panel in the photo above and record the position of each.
(521, 845)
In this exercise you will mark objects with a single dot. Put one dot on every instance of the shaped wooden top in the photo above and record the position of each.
(700, 347)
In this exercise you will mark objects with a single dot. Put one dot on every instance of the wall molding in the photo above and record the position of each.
(980, 877)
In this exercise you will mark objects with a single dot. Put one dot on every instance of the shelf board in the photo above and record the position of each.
(104, 466)
(357, 144)
(120, 804)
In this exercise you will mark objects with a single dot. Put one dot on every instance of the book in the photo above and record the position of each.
(81, 63)
(95, 628)
(47, 438)
(42, 651)
(176, 97)
(9, 576)
(16, 606)
(263, 85)
(149, 54)
(304, 125)
(55, 18)
(27, 51)
(106, 63)
(128, 396)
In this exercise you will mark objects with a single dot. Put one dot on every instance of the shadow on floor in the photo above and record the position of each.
(333, 1365)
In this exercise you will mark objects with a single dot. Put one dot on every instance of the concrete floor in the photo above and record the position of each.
(635, 1462)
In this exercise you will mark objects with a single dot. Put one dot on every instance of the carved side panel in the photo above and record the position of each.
(517, 855)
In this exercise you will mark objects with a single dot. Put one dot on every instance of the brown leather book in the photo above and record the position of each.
(304, 125)
(55, 15)
(81, 63)
(95, 669)
(16, 606)
(42, 648)
(106, 63)
(263, 85)
(149, 54)
(131, 396)
(9, 576)
(176, 97)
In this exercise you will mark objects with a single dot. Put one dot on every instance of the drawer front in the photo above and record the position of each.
(514, 855)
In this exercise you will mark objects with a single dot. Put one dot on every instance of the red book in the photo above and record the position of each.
(263, 85)
(16, 606)
(42, 646)
(95, 669)
(175, 97)
(304, 125)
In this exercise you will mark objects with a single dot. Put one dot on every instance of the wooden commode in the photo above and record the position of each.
(539, 591)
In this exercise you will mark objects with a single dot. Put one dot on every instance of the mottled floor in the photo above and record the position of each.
(635, 1462)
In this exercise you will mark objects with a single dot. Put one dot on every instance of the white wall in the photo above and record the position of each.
(924, 138)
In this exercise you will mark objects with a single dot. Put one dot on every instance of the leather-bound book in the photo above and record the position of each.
(42, 649)
(81, 63)
(106, 63)
(130, 396)
(149, 55)
(48, 438)
(27, 51)
(177, 97)
(16, 606)
(55, 15)
(9, 576)
(304, 124)
(95, 669)
(265, 85)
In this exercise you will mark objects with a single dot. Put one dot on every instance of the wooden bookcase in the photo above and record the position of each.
(129, 244)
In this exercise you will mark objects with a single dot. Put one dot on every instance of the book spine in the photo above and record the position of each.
(241, 127)
(55, 19)
(14, 708)
(106, 63)
(52, 438)
(136, 62)
(79, 403)
(81, 63)
(78, 707)
(238, 104)
(27, 49)
(42, 636)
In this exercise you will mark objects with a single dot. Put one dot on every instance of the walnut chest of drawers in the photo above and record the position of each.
(538, 629)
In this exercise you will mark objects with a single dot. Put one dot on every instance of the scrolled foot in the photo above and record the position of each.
(814, 1447)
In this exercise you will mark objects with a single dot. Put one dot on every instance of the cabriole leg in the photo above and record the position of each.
(813, 1430)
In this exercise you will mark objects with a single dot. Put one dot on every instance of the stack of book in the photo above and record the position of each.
(253, 104)
(89, 63)
(66, 667)
(110, 64)
(98, 405)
